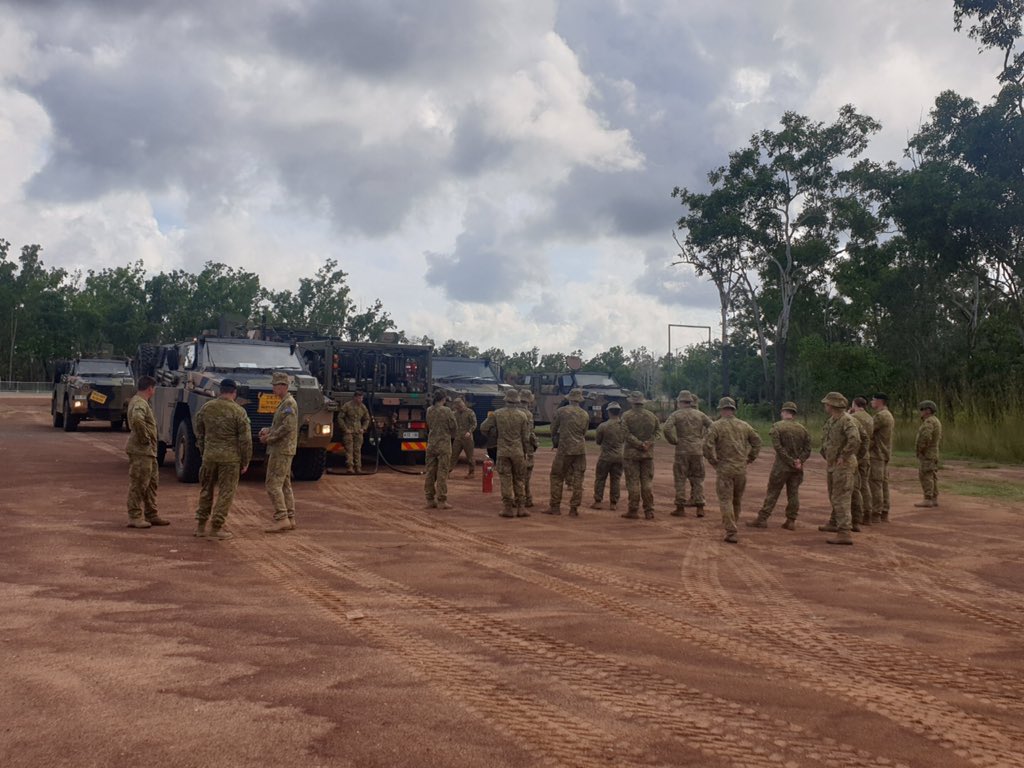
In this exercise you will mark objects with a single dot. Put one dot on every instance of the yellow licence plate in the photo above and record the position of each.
(268, 403)
(98, 397)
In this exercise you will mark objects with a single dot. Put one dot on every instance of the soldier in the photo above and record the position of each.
(281, 439)
(929, 435)
(441, 427)
(792, 444)
(526, 403)
(354, 420)
(462, 442)
(881, 452)
(861, 500)
(224, 438)
(685, 428)
(642, 429)
(143, 473)
(729, 446)
(512, 425)
(611, 436)
(569, 438)
(840, 441)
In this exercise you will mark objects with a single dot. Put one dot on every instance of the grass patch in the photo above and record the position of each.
(984, 489)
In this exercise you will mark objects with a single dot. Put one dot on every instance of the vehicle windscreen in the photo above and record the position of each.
(595, 380)
(261, 357)
(455, 370)
(103, 368)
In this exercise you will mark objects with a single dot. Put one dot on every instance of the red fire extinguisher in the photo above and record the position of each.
(488, 475)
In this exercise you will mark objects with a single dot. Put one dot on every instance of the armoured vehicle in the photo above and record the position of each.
(395, 382)
(473, 379)
(188, 374)
(96, 389)
(550, 389)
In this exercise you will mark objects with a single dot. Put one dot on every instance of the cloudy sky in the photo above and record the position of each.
(498, 171)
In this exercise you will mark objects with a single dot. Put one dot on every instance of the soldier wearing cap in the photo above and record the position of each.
(792, 444)
(526, 404)
(611, 436)
(353, 420)
(860, 505)
(686, 428)
(462, 442)
(929, 436)
(568, 437)
(840, 441)
(881, 451)
(281, 439)
(441, 428)
(224, 438)
(511, 426)
(729, 446)
(642, 429)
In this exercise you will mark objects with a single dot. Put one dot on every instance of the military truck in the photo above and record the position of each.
(473, 379)
(90, 389)
(395, 382)
(188, 375)
(549, 391)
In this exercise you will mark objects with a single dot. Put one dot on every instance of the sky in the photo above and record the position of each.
(498, 171)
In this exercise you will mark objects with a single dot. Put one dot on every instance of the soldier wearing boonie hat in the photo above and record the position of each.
(568, 437)
(840, 440)
(929, 436)
(611, 437)
(643, 429)
(792, 444)
(526, 403)
(685, 428)
(730, 445)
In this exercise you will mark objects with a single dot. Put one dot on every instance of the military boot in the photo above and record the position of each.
(443, 505)
(790, 524)
(884, 518)
(612, 506)
(507, 512)
(219, 534)
(927, 503)
(855, 527)
(841, 537)
(139, 522)
(520, 512)
(596, 505)
(200, 529)
(574, 512)
(679, 511)
(758, 522)
(552, 511)
(731, 538)
(866, 520)
(830, 526)
(431, 504)
(631, 515)
(648, 514)
(278, 526)
(157, 520)
(700, 510)
(291, 522)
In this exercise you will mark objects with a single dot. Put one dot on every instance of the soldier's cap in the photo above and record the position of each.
(636, 397)
(439, 396)
(511, 395)
(789, 405)
(576, 396)
(685, 396)
(614, 406)
(279, 377)
(525, 396)
(726, 402)
(228, 385)
(880, 396)
(836, 400)
(929, 404)
(458, 400)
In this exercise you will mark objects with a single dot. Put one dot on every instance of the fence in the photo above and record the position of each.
(26, 387)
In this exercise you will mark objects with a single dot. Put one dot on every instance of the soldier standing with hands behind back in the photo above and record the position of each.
(730, 445)
(685, 428)
(143, 472)
(611, 436)
(568, 437)
(224, 438)
(281, 439)
(462, 441)
(881, 452)
(441, 428)
(792, 444)
(840, 441)
(642, 429)
(354, 420)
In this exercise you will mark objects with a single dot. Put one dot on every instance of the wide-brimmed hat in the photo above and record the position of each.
(789, 405)
(726, 402)
(835, 399)
(279, 377)
(511, 395)
(929, 404)
(636, 397)
(576, 396)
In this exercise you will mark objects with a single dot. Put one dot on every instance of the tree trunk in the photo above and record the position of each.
(725, 301)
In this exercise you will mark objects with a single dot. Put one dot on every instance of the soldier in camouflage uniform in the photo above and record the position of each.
(512, 425)
(569, 438)
(526, 403)
(143, 472)
(861, 500)
(881, 452)
(281, 439)
(929, 436)
(354, 420)
(441, 428)
(462, 441)
(224, 438)
(729, 446)
(792, 444)
(611, 436)
(642, 429)
(685, 428)
(840, 442)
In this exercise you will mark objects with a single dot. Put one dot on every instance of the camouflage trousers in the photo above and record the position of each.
(512, 473)
(353, 450)
(143, 480)
(610, 470)
(860, 502)
(640, 483)
(730, 484)
(928, 474)
(840, 493)
(435, 484)
(879, 478)
(688, 467)
(568, 469)
(218, 478)
(463, 445)
(782, 476)
(528, 476)
(279, 485)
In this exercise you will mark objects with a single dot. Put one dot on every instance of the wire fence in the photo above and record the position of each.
(26, 387)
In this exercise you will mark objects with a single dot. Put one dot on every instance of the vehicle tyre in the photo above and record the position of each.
(145, 361)
(116, 425)
(186, 455)
(58, 416)
(70, 421)
(309, 463)
(161, 452)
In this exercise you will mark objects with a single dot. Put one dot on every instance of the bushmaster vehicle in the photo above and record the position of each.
(188, 375)
(96, 389)
(549, 391)
(473, 379)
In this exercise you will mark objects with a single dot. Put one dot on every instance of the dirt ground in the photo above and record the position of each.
(382, 634)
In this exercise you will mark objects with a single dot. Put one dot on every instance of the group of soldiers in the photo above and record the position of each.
(856, 446)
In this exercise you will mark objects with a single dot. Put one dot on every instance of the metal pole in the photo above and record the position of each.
(702, 327)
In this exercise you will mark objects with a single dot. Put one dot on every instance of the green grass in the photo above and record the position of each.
(985, 489)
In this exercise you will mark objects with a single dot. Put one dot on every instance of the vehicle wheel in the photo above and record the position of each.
(117, 425)
(161, 452)
(58, 416)
(70, 422)
(186, 455)
(309, 463)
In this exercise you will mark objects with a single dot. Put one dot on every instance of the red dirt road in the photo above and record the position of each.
(484, 641)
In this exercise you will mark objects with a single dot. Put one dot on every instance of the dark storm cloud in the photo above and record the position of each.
(674, 284)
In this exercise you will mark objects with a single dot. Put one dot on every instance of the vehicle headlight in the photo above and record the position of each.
(323, 429)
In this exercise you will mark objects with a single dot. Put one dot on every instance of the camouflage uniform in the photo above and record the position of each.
(569, 436)
(526, 403)
(860, 503)
(282, 439)
(353, 420)
(840, 442)
(441, 428)
(792, 444)
(929, 436)
(143, 473)
(685, 429)
(881, 452)
(611, 436)
(642, 429)
(224, 438)
(512, 425)
(729, 446)
(462, 442)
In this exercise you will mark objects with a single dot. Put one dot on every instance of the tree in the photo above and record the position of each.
(455, 348)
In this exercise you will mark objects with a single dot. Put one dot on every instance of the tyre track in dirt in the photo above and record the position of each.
(902, 702)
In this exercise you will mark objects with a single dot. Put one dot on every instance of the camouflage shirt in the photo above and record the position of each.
(791, 441)
(223, 432)
(867, 428)
(353, 417)
(283, 437)
(731, 444)
(686, 429)
(465, 421)
(642, 426)
(611, 436)
(929, 435)
(142, 423)
(441, 428)
(511, 425)
(881, 435)
(532, 429)
(840, 439)
(569, 430)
